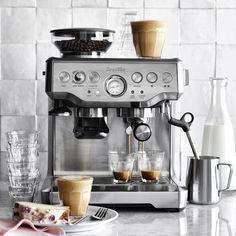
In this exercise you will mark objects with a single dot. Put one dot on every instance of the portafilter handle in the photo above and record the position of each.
(141, 130)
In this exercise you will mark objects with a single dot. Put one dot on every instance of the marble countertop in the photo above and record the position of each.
(199, 220)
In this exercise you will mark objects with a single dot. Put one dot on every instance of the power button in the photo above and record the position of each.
(64, 76)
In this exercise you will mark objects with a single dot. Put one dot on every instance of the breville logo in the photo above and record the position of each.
(115, 69)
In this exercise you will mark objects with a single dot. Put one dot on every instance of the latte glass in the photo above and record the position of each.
(75, 192)
(148, 37)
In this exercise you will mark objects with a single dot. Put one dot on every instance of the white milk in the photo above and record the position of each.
(218, 140)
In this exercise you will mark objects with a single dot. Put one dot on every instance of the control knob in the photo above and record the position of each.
(141, 130)
(79, 77)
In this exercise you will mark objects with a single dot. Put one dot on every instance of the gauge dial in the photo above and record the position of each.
(115, 85)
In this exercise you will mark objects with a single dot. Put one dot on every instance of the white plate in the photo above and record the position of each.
(88, 223)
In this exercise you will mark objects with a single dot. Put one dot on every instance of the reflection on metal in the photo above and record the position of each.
(60, 109)
(91, 112)
(141, 130)
(160, 196)
(135, 112)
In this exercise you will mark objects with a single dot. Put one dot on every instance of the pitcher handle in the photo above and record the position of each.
(230, 174)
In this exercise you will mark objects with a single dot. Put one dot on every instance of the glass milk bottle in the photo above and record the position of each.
(218, 135)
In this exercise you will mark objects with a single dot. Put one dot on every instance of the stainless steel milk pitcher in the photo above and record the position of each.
(204, 185)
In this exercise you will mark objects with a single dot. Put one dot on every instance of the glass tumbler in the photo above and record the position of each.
(22, 138)
(150, 165)
(121, 165)
(23, 165)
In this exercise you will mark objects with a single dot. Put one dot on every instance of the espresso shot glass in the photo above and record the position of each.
(150, 165)
(121, 165)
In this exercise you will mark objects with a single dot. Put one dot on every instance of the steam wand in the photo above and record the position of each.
(184, 122)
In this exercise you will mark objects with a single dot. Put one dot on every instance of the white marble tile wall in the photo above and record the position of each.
(202, 33)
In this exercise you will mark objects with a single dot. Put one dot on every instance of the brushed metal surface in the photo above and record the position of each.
(90, 94)
(205, 186)
(105, 192)
(68, 155)
(79, 155)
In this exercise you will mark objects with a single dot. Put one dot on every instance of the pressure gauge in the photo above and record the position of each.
(115, 85)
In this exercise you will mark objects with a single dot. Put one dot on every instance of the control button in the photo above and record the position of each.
(97, 92)
(79, 77)
(94, 77)
(141, 91)
(132, 91)
(152, 77)
(64, 76)
(167, 77)
(137, 77)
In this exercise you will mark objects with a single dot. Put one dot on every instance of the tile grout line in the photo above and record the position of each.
(179, 31)
(215, 62)
(36, 74)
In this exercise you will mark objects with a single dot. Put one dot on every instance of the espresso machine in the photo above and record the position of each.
(99, 105)
(92, 103)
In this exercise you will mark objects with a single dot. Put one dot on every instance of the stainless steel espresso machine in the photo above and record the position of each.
(92, 102)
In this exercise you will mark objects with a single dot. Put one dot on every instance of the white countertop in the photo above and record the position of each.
(199, 220)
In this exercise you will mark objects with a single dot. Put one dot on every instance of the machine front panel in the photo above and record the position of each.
(116, 81)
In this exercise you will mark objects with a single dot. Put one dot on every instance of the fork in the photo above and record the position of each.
(99, 215)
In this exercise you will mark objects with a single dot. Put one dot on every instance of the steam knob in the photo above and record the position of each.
(79, 77)
(141, 130)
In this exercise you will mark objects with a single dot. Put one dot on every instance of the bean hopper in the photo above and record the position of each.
(92, 102)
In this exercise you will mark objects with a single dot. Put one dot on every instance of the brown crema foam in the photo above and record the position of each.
(150, 174)
(122, 175)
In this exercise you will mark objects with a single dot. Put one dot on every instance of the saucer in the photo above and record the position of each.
(88, 224)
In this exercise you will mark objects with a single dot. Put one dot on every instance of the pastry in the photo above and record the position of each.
(41, 213)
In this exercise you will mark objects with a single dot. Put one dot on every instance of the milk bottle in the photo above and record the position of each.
(218, 135)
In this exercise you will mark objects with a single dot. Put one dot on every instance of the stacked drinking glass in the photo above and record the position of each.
(23, 164)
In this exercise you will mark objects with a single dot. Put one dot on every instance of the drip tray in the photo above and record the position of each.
(164, 195)
(104, 184)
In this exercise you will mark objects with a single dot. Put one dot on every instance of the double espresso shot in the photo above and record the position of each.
(149, 166)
